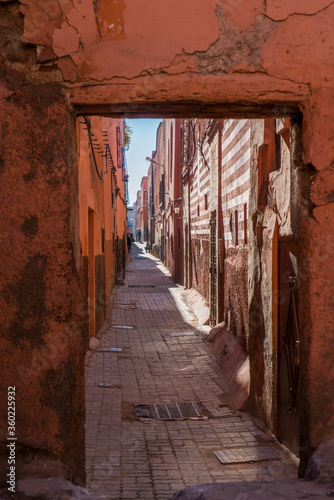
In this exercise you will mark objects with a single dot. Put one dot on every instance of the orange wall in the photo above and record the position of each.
(100, 206)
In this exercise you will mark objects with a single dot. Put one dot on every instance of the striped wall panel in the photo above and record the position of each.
(235, 185)
(200, 195)
(235, 180)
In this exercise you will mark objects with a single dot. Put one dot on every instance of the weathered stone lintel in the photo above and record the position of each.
(189, 109)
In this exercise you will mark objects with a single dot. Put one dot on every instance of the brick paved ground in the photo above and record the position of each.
(165, 359)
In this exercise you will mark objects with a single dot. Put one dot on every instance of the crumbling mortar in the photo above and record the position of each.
(77, 77)
(181, 58)
(198, 56)
(24, 64)
(245, 45)
(217, 62)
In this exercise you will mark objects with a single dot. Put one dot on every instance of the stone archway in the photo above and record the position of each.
(59, 58)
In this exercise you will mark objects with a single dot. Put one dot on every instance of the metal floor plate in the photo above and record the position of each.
(122, 327)
(175, 411)
(110, 349)
(181, 334)
(236, 455)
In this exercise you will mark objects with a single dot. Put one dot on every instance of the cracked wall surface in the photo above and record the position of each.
(119, 42)
(230, 58)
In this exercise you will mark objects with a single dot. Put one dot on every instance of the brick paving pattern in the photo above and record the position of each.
(165, 359)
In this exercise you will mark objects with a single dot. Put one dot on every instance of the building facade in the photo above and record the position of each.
(158, 194)
(274, 280)
(143, 209)
(235, 172)
(102, 210)
(196, 204)
(164, 198)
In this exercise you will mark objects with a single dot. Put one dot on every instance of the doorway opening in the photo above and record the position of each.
(223, 187)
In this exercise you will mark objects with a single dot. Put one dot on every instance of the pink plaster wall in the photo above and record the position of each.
(42, 329)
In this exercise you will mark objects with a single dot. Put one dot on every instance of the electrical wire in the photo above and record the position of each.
(108, 156)
(198, 145)
(89, 129)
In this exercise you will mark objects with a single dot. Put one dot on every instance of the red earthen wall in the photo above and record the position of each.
(43, 339)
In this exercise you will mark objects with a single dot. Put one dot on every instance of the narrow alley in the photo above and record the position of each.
(235, 196)
(164, 358)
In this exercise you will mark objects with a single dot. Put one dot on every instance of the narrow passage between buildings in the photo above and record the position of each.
(164, 358)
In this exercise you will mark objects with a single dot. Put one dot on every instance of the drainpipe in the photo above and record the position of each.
(220, 229)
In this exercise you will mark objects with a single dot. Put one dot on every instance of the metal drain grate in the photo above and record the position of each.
(236, 455)
(182, 334)
(175, 411)
(123, 327)
(110, 349)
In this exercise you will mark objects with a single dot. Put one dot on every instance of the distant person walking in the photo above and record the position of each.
(147, 247)
(139, 235)
(129, 242)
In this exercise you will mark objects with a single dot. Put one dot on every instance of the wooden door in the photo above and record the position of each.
(288, 346)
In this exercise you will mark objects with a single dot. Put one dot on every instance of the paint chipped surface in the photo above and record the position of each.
(65, 40)
(109, 15)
